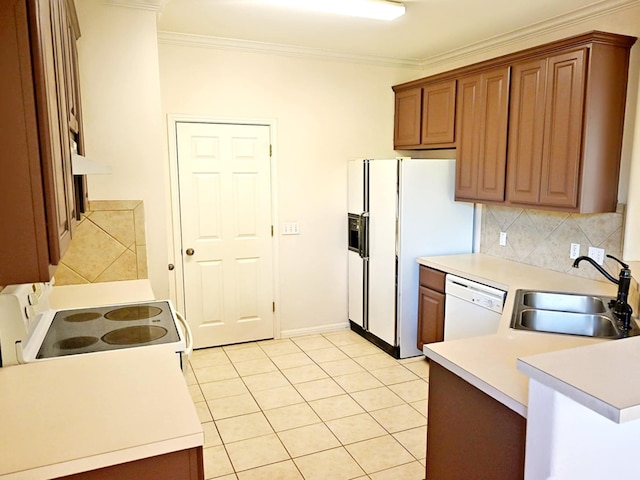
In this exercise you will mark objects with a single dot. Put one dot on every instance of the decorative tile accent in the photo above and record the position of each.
(543, 239)
(108, 245)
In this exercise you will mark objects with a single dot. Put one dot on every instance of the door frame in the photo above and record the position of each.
(174, 233)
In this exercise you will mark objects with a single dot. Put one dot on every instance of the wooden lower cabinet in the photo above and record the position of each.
(180, 465)
(431, 304)
(471, 435)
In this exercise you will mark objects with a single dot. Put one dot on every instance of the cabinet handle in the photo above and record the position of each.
(190, 251)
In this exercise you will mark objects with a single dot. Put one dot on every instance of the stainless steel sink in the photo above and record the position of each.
(564, 302)
(589, 325)
(567, 313)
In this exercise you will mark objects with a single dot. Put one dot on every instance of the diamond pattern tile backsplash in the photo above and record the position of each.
(108, 245)
(544, 239)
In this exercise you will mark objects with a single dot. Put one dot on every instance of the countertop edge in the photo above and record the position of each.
(583, 398)
(108, 459)
(481, 385)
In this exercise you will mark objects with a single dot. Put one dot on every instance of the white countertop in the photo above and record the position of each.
(490, 362)
(79, 413)
(105, 293)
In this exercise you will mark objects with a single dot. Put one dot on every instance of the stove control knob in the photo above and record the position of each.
(32, 299)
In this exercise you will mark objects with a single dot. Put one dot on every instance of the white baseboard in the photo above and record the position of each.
(298, 332)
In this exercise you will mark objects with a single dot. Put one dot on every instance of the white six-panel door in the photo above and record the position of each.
(225, 213)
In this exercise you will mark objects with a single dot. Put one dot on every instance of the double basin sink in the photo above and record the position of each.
(568, 313)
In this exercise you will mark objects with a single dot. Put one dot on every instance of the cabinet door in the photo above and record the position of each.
(564, 111)
(438, 113)
(471, 435)
(430, 316)
(481, 132)
(56, 160)
(526, 131)
(407, 120)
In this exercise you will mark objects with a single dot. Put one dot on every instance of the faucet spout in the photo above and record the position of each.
(608, 276)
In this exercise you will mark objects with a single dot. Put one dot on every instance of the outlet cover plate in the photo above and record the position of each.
(597, 254)
(575, 251)
(503, 238)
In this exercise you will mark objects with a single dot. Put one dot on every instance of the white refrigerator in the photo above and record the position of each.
(398, 210)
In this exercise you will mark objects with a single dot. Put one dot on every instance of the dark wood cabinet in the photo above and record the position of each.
(425, 116)
(37, 196)
(180, 465)
(431, 305)
(566, 122)
(470, 434)
(549, 134)
(481, 129)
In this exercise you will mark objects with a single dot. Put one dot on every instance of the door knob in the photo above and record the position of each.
(190, 251)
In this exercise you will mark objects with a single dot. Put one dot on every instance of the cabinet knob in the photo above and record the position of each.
(190, 251)
(171, 266)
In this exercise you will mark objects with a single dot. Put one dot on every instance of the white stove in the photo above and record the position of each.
(30, 331)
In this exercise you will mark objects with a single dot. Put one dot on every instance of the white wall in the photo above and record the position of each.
(325, 112)
(120, 92)
(568, 441)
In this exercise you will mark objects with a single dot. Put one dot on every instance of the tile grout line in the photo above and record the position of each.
(331, 377)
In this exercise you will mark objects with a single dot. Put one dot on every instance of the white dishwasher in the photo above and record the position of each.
(471, 309)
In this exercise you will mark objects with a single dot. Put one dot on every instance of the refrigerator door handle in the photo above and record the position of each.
(364, 235)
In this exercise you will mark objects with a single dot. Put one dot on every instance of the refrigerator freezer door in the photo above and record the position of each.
(383, 193)
(356, 288)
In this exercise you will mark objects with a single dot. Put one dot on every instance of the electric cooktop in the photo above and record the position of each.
(110, 327)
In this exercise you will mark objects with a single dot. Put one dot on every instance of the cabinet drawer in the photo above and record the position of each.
(431, 278)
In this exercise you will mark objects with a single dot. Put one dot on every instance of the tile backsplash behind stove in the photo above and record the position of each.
(109, 244)
(544, 238)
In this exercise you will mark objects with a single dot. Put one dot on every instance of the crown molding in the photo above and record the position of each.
(152, 5)
(539, 29)
(202, 41)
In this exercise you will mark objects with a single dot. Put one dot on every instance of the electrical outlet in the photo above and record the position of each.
(503, 238)
(575, 251)
(290, 228)
(597, 254)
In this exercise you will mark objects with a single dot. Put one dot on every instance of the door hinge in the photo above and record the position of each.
(270, 150)
(273, 307)
(272, 230)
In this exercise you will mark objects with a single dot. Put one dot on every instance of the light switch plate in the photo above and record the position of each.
(597, 254)
(290, 228)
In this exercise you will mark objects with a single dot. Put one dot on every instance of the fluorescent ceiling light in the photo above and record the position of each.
(376, 9)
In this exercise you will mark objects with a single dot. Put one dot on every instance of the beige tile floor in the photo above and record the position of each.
(318, 407)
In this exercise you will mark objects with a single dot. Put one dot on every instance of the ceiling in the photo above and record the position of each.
(428, 29)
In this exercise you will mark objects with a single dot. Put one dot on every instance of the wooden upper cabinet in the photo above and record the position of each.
(546, 130)
(565, 132)
(425, 116)
(407, 118)
(481, 130)
(541, 127)
(526, 130)
(438, 113)
(38, 210)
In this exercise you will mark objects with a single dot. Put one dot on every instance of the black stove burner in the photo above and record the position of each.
(82, 317)
(138, 312)
(76, 342)
(134, 335)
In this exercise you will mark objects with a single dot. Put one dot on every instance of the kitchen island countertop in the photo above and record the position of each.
(491, 362)
(77, 414)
